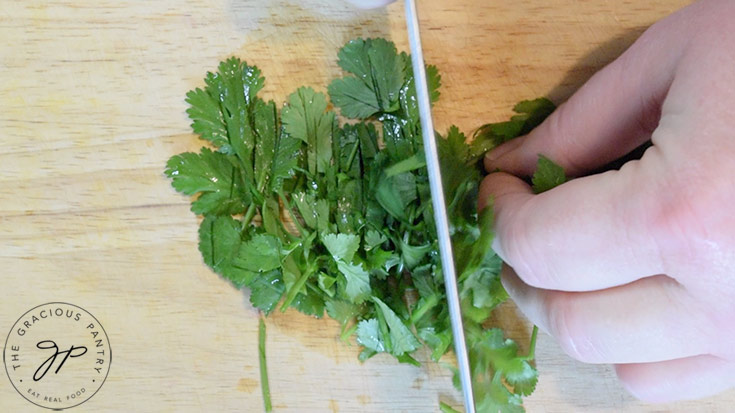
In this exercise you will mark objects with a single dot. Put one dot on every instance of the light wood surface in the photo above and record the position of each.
(91, 107)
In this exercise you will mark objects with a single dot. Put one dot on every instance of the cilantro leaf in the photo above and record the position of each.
(373, 239)
(341, 246)
(413, 255)
(305, 202)
(379, 75)
(211, 174)
(473, 253)
(358, 281)
(309, 304)
(530, 113)
(262, 253)
(548, 175)
(501, 355)
(219, 240)
(265, 128)
(305, 118)
(266, 290)
(407, 97)
(219, 243)
(285, 160)
(433, 81)
(459, 177)
(483, 287)
(354, 98)
(496, 398)
(342, 311)
(369, 335)
(402, 339)
(533, 112)
(235, 86)
(395, 194)
(327, 284)
(206, 116)
(221, 112)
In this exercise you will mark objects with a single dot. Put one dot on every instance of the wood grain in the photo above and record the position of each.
(91, 107)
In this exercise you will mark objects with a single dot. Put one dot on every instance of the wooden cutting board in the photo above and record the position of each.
(91, 107)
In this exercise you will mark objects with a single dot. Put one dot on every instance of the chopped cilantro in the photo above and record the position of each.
(346, 221)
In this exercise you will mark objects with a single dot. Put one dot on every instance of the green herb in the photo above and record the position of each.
(445, 408)
(548, 175)
(346, 224)
(530, 113)
(264, 387)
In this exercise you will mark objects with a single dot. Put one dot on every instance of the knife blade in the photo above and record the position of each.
(440, 210)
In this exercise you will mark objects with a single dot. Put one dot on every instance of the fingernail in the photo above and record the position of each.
(494, 155)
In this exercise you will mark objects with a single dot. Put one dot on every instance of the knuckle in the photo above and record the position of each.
(519, 251)
(557, 131)
(568, 326)
(683, 215)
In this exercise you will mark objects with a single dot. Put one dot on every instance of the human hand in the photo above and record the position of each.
(635, 267)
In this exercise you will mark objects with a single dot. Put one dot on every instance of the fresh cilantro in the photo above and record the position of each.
(530, 113)
(262, 253)
(213, 176)
(341, 246)
(309, 212)
(402, 339)
(547, 175)
(265, 387)
(378, 76)
(266, 291)
(219, 243)
(369, 335)
(445, 408)
(305, 118)
(357, 281)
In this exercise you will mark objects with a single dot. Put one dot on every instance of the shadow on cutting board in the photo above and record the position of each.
(592, 62)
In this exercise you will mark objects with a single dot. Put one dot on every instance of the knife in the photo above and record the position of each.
(440, 209)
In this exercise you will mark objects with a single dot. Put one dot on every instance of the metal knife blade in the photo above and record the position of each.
(440, 210)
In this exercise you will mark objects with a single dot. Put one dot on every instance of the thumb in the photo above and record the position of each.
(590, 233)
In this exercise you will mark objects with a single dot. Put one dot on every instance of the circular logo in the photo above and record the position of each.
(57, 355)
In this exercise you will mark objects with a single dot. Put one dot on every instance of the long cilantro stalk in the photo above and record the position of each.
(264, 386)
(345, 217)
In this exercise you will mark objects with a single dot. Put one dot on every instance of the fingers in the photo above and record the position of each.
(645, 321)
(612, 114)
(588, 234)
(683, 379)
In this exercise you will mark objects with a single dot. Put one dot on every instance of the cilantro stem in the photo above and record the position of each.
(289, 208)
(382, 324)
(248, 217)
(532, 347)
(296, 288)
(445, 408)
(427, 305)
(352, 156)
(265, 388)
(347, 332)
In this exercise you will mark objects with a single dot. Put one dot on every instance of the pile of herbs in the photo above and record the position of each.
(312, 212)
